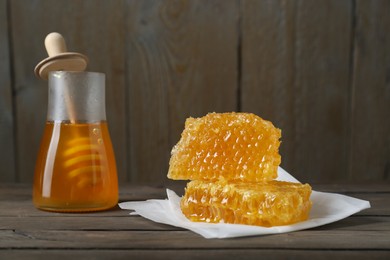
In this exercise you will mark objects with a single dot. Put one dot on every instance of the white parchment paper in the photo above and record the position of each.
(327, 208)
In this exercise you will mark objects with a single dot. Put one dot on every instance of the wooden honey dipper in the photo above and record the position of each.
(79, 150)
(59, 58)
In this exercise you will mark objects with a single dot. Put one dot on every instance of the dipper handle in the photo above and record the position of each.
(55, 44)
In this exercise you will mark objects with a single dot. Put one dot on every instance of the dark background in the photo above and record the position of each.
(319, 70)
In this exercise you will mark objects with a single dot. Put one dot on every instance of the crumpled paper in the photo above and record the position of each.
(327, 208)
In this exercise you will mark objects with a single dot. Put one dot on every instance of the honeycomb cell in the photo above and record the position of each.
(265, 204)
(230, 146)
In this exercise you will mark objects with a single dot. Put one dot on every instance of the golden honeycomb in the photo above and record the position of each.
(232, 160)
(266, 204)
(230, 146)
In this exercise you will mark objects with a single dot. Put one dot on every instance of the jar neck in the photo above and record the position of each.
(76, 96)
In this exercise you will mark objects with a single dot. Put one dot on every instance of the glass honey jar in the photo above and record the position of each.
(76, 169)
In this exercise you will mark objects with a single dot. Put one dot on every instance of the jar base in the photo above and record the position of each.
(76, 209)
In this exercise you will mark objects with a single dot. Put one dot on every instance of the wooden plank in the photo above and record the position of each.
(16, 199)
(295, 73)
(116, 231)
(321, 91)
(359, 223)
(86, 222)
(349, 187)
(91, 27)
(225, 253)
(7, 141)
(310, 239)
(181, 62)
(376, 200)
(370, 104)
(18, 192)
(267, 72)
(26, 208)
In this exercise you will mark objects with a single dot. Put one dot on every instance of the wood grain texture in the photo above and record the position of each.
(7, 151)
(125, 222)
(181, 62)
(120, 239)
(370, 94)
(321, 89)
(318, 69)
(267, 73)
(298, 78)
(90, 27)
(192, 254)
(115, 234)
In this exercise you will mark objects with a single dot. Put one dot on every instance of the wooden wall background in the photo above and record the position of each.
(320, 70)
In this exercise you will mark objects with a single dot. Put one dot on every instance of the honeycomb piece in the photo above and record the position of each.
(230, 146)
(267, 204)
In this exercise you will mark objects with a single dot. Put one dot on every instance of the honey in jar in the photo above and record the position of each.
(76, 169)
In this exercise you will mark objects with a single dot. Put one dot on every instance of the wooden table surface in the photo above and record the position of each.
(26, 232)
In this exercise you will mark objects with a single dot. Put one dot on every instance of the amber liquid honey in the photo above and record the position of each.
(75, 169)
